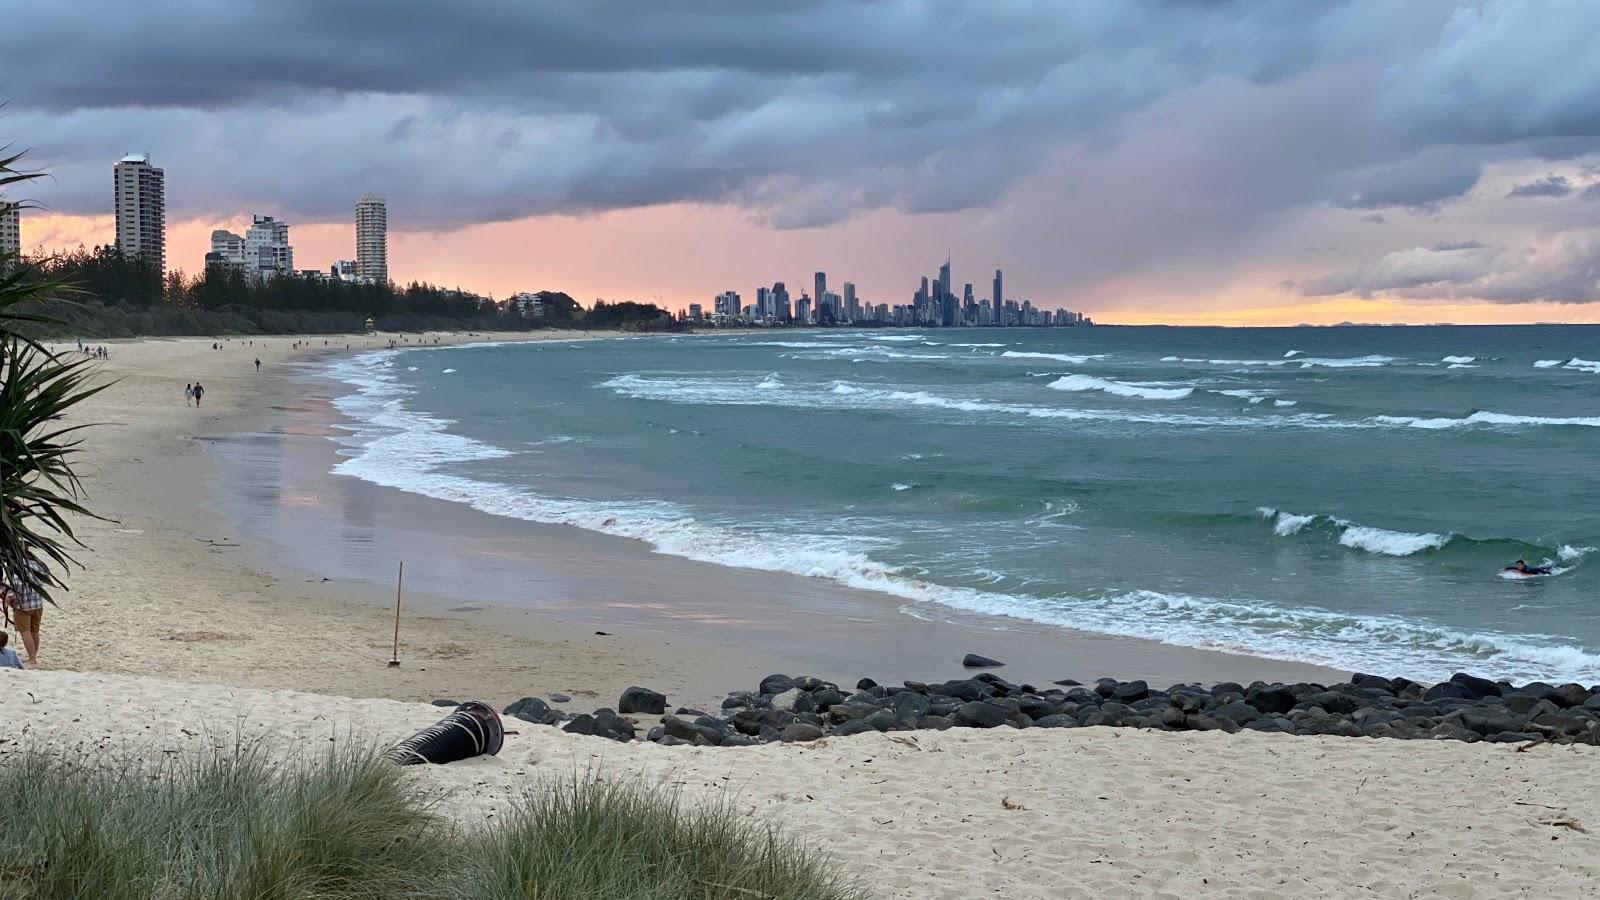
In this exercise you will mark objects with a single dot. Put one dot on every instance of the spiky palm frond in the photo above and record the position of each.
(38, 487)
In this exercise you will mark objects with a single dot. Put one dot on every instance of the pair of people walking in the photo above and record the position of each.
(192, 394)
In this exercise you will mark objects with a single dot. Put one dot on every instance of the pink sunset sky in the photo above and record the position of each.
(1141, 162)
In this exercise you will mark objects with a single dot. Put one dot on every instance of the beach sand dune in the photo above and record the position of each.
(965, 813)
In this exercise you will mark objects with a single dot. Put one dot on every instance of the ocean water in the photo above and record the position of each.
(1341, 496)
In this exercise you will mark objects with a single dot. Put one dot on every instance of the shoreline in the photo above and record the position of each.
(171, 589)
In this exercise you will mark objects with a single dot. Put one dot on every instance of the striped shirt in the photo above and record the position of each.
(23, 597)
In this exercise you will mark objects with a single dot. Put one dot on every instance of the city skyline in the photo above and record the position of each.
(1439, 162)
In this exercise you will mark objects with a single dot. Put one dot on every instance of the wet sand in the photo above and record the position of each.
(515, 576)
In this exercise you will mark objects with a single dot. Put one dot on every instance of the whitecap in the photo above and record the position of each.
(1059, 357)
(1458, 359)
(1546, 363)
(1121, 389)
(1291, 353)
(1390, 543)
(448, 371)
(1482, 417)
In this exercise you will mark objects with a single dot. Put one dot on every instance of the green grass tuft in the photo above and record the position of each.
(349, 826)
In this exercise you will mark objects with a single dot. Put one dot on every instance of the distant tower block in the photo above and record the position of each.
(141, 204)
(372, 238)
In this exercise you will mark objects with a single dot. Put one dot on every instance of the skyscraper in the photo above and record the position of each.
(821, 292)
(998, 318)
(10, 228)
(141, 202)
(372, 238)
(266, 248)
(852, 309)
(227, 249)
(944, 280)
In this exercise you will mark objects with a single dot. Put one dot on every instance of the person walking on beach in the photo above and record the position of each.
(198, 393)
(8, 657)
(23, 606)
(188, 395)
(258, 364)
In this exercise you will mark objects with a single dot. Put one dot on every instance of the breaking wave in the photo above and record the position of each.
(1121, 389)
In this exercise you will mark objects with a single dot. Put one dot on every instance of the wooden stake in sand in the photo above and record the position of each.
(394, 661)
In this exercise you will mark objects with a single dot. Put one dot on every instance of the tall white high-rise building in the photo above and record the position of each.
(372, 238)
(266, 248)
(227, 249)
(10, 228)
(141, 201)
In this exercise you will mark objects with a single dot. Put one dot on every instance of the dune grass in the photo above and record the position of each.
(349, 826)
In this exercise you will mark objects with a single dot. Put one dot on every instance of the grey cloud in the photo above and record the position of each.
(1592, 192)
(1422, 183)
(1548, 186)
(1564, 269)
(1375, 218)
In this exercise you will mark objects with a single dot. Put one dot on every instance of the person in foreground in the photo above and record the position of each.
(23, 607)
(8, 656)
(1522, 568)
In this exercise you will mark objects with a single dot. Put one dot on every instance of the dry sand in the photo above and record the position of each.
(1095, 812)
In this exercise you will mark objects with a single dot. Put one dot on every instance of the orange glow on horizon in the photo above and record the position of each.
(673, 262)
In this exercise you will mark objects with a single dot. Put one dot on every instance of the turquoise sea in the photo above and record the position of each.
(1343, 496)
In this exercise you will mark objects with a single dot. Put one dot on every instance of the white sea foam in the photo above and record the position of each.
(1354, 362)
(1484, 418)
(399, 448)
(770, 382)
(1241, 393)
(1546, 363)
(1460, 366)
(1291, 354)
(1285, 523)
(1284, 403)
(448, 371)
(897, 338)
(1583, 365)
(1058, 357)
(977, 345)
(901, 486)
(1121, 389)
(1568, 553)
(1390, 543)
(1227, 362)
(1458, 359)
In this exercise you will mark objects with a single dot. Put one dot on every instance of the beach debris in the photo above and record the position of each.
(642, 700)
(560, 698)
(975, 661)
(1007, 804)
(472, 730)
(532, 709)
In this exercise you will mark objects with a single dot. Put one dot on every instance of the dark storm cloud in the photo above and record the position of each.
(806, 112)
(1548, 186)
(1563, 269)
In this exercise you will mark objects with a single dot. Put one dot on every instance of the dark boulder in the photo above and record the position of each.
(738, 700)
(583, 723)
(857, 726)
(1448, 690)
(776, 684)
(532, 709)
(995, 681)
(1036, 707)
(1054, 721)
(974, 661)
(1227, 687)
(979, 714)
(1541, 690)
(1333, 702)
(883, 720)
(935, 723)
(1130, 691)
(800, 732)
(965, 689)
(1270, 698)
(909, 707)
(827, 697)
(1067, 682)
(1572, 694)
(865, 683)
(447, 703)
(642, 700)
(1237, 712)
(1478, 688)
(560, 698)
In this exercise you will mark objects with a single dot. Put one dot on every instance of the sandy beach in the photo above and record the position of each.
(195, 616)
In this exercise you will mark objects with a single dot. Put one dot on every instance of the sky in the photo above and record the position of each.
(1180, 161)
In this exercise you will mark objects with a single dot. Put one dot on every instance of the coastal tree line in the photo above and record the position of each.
(116, 295)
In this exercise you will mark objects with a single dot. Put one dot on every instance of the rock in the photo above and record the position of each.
(1372, 683)
(738, 740)
(935, 723)
(827, 697)
(776, 684)
(1486, 721)
(1173, 717)
(1035, 707)
(1067, 682)
(738, 700)
(995, 681)
(673, 726)
(964, 689)
(1512, 737)
(1270, 698)
(1541, 690)
(909, 707)
(979, 714)
(1227, 687)
(1203, 722)
(1054, 721)
(847, 712)
(974, 661)
(1130, 692)
(1525, 705)
(689, 711)
(1338, 704)
(916, 687)
(1572, 695)
(809, 683)
(610, 725)
(560, 698)
(856, 727)
(794, 700)
(1593, 702)
(800, 732)
(583, 723)
(532, 709)
(1237, 712)
(642, 700)
(1449, 731)
(1478, 688)
(670, 741)
(883, 720)
(865, 684)
(447, 703)
(1446, 690)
